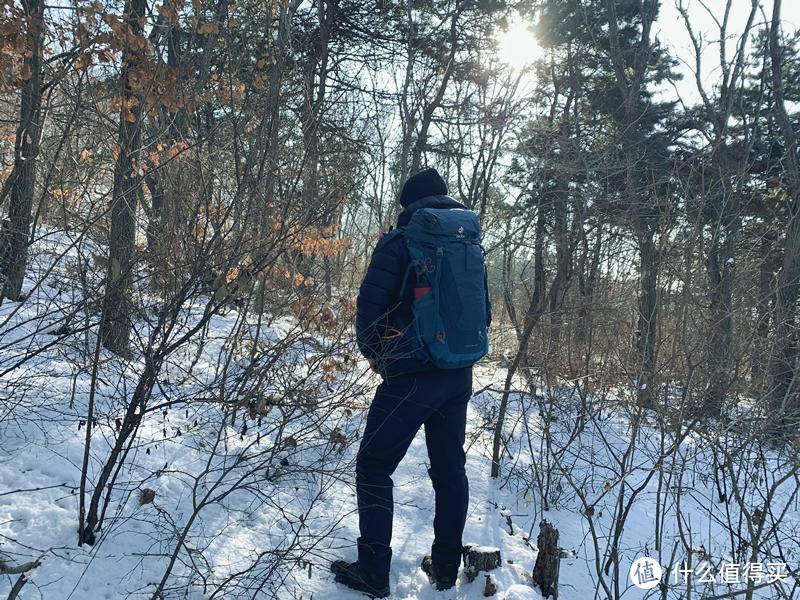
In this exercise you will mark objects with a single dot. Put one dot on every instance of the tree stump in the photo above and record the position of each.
(489, 588)
(479, 558)
(545, 571)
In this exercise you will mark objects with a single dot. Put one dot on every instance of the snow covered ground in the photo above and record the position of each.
(234, 492)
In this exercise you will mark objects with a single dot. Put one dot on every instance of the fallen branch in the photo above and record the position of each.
(8, 569)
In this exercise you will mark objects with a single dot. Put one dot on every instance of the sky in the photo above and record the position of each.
(518, 46)
(672, 33)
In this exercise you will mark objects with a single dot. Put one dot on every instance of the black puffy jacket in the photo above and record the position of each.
(381, 311)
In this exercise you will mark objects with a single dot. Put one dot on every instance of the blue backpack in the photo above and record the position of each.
(450, 300)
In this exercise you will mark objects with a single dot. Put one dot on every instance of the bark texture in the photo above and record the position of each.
(16, 231)
(545, 571)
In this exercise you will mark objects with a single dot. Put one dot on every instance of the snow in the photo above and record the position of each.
(521, 592)
(486, 549)
(275, 502)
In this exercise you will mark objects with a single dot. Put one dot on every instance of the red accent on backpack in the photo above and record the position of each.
(421, 292)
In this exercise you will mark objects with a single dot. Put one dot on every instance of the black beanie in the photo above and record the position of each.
(427, 182)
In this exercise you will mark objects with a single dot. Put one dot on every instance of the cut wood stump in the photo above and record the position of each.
(489, 588)
(545, 571)
(479, 558)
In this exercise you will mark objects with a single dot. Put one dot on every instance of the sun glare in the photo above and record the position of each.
(517, 47)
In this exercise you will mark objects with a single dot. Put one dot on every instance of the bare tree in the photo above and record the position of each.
(16, 230)
(115, 328)
(783, 357)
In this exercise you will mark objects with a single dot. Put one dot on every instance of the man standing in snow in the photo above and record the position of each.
(426, 382)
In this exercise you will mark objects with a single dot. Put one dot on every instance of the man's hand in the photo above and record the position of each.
(373, 365)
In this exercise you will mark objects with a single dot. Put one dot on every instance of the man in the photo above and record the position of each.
(414, 392)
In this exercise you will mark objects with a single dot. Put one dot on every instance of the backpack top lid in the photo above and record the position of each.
(452, 224)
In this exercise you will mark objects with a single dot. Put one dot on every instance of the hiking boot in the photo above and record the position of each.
(441, 581)
(351, 575)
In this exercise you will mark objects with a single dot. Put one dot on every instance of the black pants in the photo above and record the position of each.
(438, 400)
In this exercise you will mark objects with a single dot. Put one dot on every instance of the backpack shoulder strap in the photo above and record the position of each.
(388, 237)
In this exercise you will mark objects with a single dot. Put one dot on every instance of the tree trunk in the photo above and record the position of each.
(411, 150)
(721, 259)
(630, 78)
(721, 272)
(17, 229)
(315, 78)
(562, 251)
(545, 571)
(532, 315)
(539, 301)
(588, 271)
(768, 266)
(427, 113)
(130, 423)
(783, 392)
(647, 318)
(116, 325)
(166, 183)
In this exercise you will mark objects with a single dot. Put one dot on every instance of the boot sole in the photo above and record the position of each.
(384, 593)
(427, 568)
